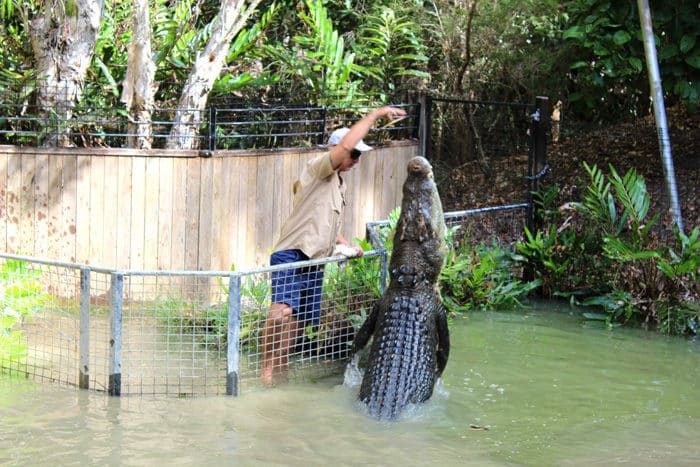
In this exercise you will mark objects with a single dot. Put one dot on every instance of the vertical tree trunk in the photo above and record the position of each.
(657, 95)
(139, 83)
(233, 15)
(63, 38)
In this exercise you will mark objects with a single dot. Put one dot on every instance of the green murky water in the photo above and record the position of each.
(550, 390)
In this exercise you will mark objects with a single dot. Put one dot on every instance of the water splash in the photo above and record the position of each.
(353, 373)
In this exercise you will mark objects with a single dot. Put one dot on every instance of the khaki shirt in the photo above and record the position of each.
(316, 218)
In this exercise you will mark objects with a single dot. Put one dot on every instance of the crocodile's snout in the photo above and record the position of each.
(419, 166)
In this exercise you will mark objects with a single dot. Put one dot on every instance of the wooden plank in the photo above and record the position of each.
(379, 183)
(204, 225)
(366, 208)
(191, 219)
(110, 209)
(290, 173)
(138, 214)
(82, 213)
(69, 202)
(123, 214)
(26, 201)
(352, 200)
(177, 250)
(246, 207)
(221, 213)
(229, 229)
(14, 209)
(166, 211)
(277, 189)
(252, 213)
(55, 206)
(150, 213)
(95, 221)
(387, 190)
(265, 178)
(41, 205)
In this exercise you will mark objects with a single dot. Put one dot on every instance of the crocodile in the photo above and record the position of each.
(408, 324)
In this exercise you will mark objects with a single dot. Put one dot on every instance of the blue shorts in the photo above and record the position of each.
(300, 288)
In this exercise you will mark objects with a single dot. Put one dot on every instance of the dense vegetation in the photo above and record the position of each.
(586, 53)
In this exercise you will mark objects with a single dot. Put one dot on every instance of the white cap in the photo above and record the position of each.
(340, 133)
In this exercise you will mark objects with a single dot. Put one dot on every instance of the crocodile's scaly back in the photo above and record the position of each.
(410, 344)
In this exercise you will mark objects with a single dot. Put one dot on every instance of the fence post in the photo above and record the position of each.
(322, 137)
(115, 334)
(84, 370)
(234, 333)
(212, 129)
(537, 165)
(424, 124)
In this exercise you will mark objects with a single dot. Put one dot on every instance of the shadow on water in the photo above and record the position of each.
(545, 388)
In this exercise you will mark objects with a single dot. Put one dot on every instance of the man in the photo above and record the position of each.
(312, 231)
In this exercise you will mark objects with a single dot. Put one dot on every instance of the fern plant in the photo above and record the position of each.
(319, 59)
(650, 281)
(390, 46)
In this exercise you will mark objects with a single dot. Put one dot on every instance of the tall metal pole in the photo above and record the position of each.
(659, 110)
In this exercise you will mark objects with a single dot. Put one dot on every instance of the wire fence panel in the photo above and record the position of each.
(347, 291)
(170, 333)
(492, 226)
(481, 151)
(188, 333)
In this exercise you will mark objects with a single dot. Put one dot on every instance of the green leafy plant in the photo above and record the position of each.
(483, 279)
(318, 59)
(607, 255)
(605, 41)
(20, 298)
(389, 45)
(681, 267)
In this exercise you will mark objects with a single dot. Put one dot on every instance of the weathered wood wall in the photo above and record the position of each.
(171, 210)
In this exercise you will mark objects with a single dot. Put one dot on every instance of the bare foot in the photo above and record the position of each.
(267, 377)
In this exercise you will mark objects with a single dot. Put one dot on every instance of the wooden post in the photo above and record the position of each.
(84, 370)
(233, 334)
(115, 331)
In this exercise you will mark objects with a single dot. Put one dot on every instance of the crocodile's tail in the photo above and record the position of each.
(387, 401)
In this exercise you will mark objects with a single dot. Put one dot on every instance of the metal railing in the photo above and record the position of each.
(218, 127)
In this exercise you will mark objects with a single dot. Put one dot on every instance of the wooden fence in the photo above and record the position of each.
(171, 210)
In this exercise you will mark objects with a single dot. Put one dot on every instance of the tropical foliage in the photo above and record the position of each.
(608, 73)
(20, 297)
(605, 252)
(587, 53)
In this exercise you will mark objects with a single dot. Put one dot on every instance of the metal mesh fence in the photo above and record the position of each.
(482, 152)
(493, 226)
(464, 131)
(172, 333)
(192, 333)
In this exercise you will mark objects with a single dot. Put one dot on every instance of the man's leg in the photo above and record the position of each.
(280, 333)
